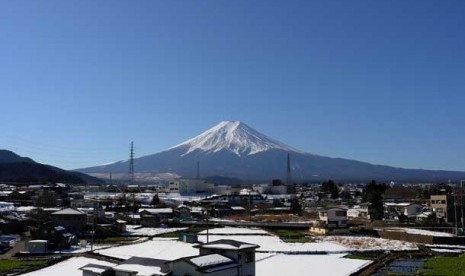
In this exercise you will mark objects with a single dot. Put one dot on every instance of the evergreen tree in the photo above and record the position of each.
(155, 200)
(373, 193)
(331, 188)
(296, 207)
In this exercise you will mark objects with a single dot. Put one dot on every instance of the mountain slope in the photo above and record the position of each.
(234, 150)
(233, 136)
(17, 169)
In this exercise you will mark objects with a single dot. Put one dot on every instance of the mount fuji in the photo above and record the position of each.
(232, 149)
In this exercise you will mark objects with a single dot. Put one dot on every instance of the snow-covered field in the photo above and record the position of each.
(136, 230)
(440, 250)
(267, 264)
(332, 264)
(368, 243)
(274, 257)
(275, 244)
(236, 231)
(68, 267)
(419, 232)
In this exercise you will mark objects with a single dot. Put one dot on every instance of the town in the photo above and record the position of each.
(232, 138)
(191, 226)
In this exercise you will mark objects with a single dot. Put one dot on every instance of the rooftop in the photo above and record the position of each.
(211, 259)
(68, 211)
(144, 266)
(157, 210)
(227, 245)
(95, 268)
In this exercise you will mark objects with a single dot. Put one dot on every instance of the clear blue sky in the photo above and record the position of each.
(376, 81)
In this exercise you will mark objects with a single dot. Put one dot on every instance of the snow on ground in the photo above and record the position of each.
(236, 231)
(331, 244)
(296, 265)
(445, 246)
(368, 243)
(137, 230)
(419, 232)
(440, 250)
(275, 244)
(68, 267)
(158, 248)
(267, 264)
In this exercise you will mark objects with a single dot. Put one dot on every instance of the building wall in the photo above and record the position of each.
(191, 186)
(88, 273)
(247, 264)
(182, 268)
(222, 189)
(72, 223)
(439, 204)
(413, 210)
(124, 273)
(334, 217)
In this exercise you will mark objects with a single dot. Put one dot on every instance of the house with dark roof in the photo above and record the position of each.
(73, 220)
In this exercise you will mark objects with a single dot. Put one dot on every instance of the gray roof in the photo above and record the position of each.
(210, 263)
(95, 268)
(227, 245)
(68, 211)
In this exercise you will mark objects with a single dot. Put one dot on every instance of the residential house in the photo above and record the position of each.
(73, 220)
(442, 205)
(331, 221)
(154, 217)
(221, 257)
(361, 211)
(408, 209)
(57, 236)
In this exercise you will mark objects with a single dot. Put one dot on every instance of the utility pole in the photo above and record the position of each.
(206, 213)
(461, 203)
(94, 215)
(288, 171)
(455, 209)
(250, 207)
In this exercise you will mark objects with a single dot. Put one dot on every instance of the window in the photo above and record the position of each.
(341, 213)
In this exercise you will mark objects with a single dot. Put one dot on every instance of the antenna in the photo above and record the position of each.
(131, 164)
(131, 178)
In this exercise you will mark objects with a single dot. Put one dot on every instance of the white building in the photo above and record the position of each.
(359, 211)
(191, 186)
(408, 209)
(334, 217)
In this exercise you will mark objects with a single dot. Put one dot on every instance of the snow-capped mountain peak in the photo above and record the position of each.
(233, 136)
